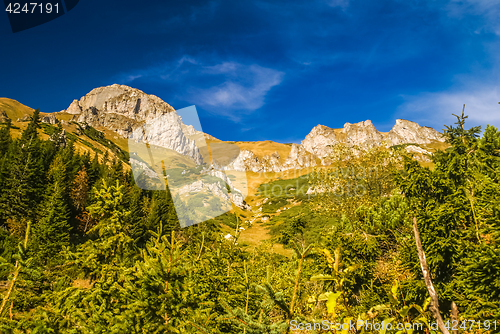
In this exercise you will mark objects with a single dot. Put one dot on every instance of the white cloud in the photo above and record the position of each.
(222, 88)
(489, 9)
(436, 109)
(244, 87)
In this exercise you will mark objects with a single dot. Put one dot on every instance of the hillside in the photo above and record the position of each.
(106, 118)
(261, 233)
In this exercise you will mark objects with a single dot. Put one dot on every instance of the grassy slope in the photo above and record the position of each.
(263, 148)
(16, 110)
(255, 236)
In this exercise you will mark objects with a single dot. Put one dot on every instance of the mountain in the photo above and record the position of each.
(364, 134)
(119, 118)
(122, 109)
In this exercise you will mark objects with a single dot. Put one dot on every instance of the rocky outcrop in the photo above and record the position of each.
(214, 189)
(363, 134)
(49, 119)
(420, 153)
(166, 131)
(136, 115)
(3, 117)
(319, 139)
(118, 108)
(74, 108)
(299, 158)
(25, 118)
(404, 132)
(245, 161)
(123, 100)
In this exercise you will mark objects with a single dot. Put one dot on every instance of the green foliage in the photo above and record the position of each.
(357, 176)
(52, 232)
(23, 186)
(283, 189)
(115, 260)
(110, 243)
(99, 137)
(456, 209)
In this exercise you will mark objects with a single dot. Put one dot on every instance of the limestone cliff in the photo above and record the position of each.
(409, 132)
(364, 134)
(134, 114)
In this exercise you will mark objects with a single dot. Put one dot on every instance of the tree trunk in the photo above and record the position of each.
(427, 278)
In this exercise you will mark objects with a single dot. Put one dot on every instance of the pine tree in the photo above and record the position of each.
(52, 232)
(456, 206)
(110, 242)
(5, 162)
(5, 138)
(25, 181)
(115, 172)
(136, 220)
(163, 212)
(94, 170)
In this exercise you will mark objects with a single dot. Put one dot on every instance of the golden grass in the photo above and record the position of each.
(63, 116)
(435, 146)
(263, 148)
(258, 234)
(14, 109)
(82, 283)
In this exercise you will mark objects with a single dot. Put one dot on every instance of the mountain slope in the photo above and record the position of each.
(122, 115)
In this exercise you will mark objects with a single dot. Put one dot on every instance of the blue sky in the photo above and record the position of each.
(273, 70)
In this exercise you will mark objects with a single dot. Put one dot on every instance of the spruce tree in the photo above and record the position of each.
(5, 138)
(52, 232)
(5, 162)
(456, 207)
(94, 171)
(163, 212)
(25, 181)
(110, 243)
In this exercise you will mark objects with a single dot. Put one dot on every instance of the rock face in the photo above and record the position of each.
(361, 134)
(3, 117)
(167, 131)
(118, 108)
(50, 119)
(248, 161)
(299, 158)
(409, 132)
(134, 114)
(364, 134)
(318, 140)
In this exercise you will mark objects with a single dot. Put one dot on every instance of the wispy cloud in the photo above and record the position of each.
(435, 108)
(244, 87)
(489, 9)
(227, 88)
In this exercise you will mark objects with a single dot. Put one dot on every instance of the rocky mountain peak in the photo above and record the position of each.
(410, 132)
(362, 134)
(117, 107)
(136, 115)
(317, 141)
(321, 137)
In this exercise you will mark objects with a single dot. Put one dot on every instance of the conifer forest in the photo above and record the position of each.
(83, 249)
